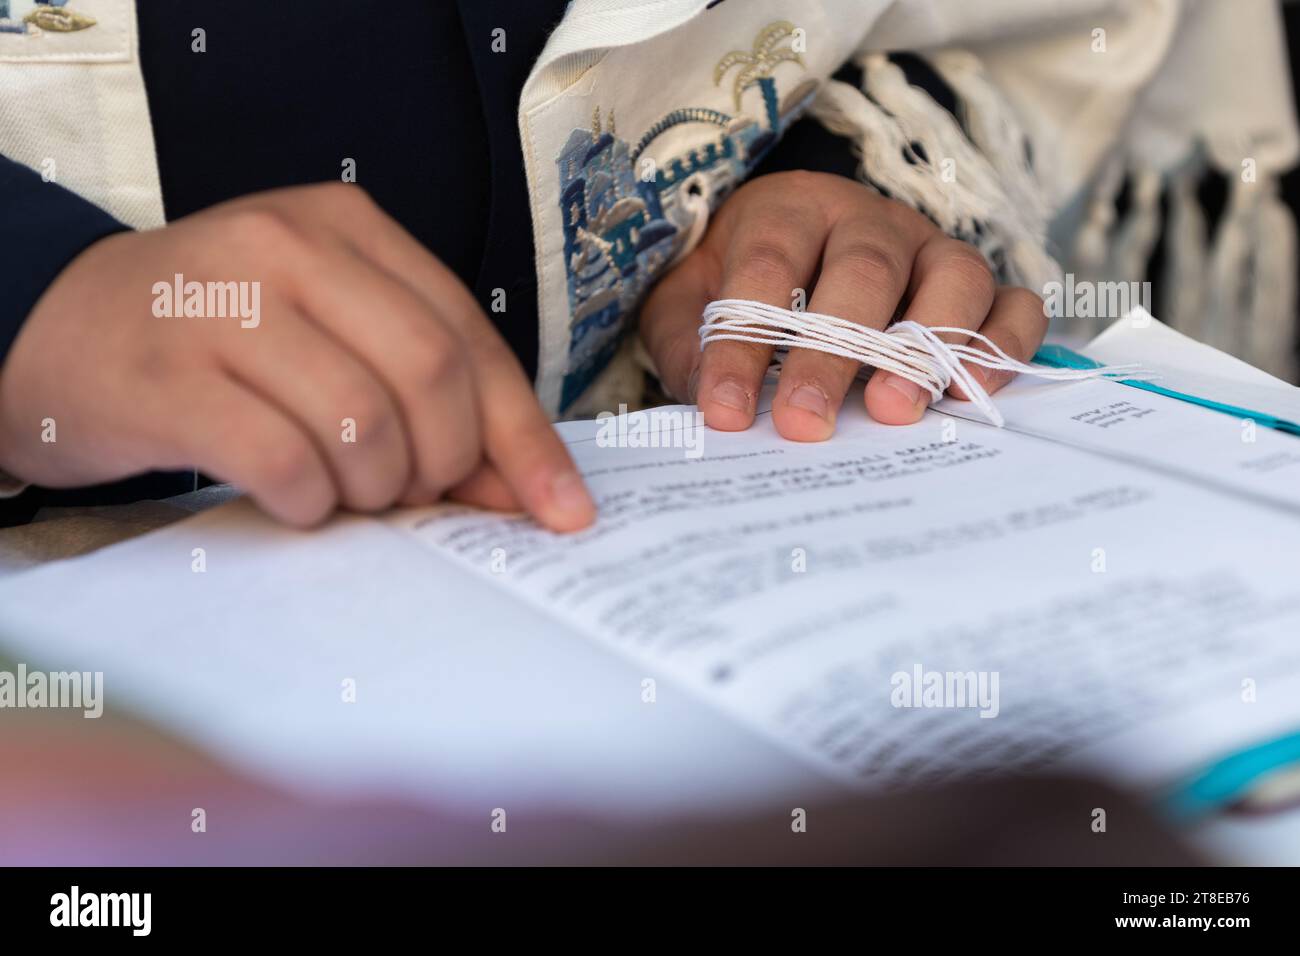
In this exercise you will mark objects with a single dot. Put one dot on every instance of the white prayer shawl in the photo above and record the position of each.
(641, 116)
(1100, 91)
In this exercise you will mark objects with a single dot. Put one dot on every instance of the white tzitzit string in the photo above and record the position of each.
(908, 349)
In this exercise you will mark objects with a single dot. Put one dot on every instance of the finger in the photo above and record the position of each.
(332, 396)
(774, 251)
(486, 489)
(236, 436)
(865, 271)
(1017, 324)
(409, 348)
(951, 286)
(517, 437)
(524, 448)
(669, 323)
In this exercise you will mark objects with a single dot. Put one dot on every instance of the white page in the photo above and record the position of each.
(1162, 432)
(465, 699)
(1193, 367)
(978, 554)
(468, 698)
(1156, 431)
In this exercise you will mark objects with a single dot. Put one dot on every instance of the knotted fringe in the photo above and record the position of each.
(1272, 317)
(1183, 288)
(953, 183)
(1236, 290)
(1251, 302)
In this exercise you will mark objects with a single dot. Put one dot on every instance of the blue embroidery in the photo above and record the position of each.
(7, 25)
(621, 230)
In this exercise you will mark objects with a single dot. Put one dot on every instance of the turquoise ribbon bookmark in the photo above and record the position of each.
(1058, 356)
(1231, 779)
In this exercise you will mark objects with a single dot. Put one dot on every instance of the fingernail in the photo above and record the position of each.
(730, 394)
(810, 399)
(569, 494)
(905, 387)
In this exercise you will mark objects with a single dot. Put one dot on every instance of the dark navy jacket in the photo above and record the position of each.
(282, 92)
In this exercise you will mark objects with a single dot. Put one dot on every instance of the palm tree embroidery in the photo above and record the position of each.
(757, 65)
(52, 15)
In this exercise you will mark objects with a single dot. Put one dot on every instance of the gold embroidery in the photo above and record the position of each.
(758, 63)
(58, 19)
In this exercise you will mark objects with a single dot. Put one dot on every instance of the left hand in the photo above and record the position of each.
(865, 254)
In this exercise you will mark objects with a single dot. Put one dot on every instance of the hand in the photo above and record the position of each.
(866, 254)
(357, 322)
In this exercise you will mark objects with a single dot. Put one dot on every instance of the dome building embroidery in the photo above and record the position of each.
(625, 221)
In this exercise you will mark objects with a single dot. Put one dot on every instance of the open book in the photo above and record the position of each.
(1111, 582)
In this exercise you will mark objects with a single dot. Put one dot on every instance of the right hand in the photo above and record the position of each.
(357, 321)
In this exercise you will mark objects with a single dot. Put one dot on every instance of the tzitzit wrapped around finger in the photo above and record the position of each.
(907, 349)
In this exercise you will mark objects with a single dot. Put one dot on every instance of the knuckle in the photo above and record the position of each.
(285, 463)
(767, 264)
(373, 496)
(968, 273)
(462, 458)
(1022, 301)
(370, 411)
(870, 266)
(260, 228)
(436, 360)
(454, 462)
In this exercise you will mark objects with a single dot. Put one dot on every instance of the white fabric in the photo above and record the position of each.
(1130, 85)
(913, 149)
(73, 107)
(1074, 103)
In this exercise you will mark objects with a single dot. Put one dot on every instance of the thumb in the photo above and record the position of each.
(670, 325)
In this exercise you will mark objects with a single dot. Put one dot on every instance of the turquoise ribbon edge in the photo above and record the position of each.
(1058, 356)
(1230, 778)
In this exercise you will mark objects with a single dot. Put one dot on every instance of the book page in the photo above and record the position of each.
(1235, 455)
(350, 662)
(909, 605)
(1192, 367)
